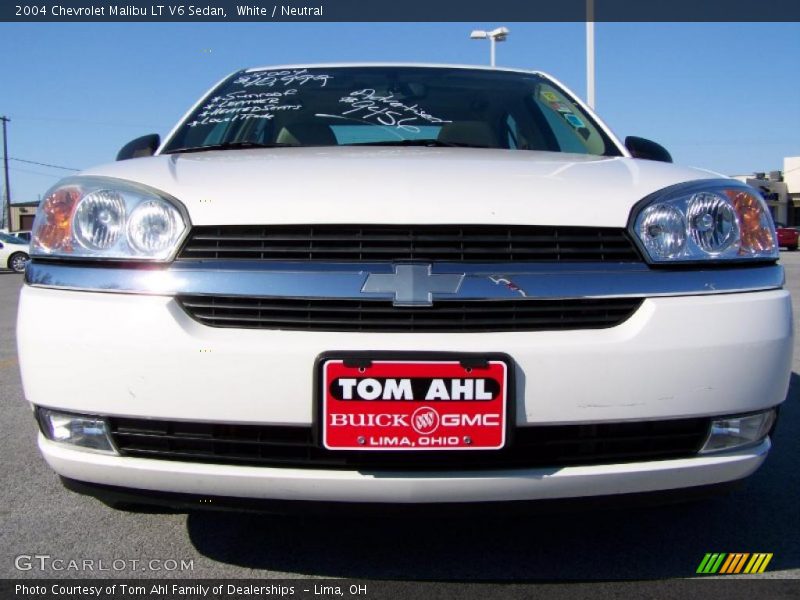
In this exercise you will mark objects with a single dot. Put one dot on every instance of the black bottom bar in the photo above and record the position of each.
(136, 500)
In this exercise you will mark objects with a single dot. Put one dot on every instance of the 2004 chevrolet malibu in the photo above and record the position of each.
(401, 284)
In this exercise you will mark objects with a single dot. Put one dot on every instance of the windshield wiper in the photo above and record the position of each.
(431, 143)
(226, 146)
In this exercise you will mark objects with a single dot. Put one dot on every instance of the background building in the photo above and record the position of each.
(781, 190)
(22, 216)
(791, 176)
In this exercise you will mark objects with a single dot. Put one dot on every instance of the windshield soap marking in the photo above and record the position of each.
(285, 78)
(369, 104)
(242, 105)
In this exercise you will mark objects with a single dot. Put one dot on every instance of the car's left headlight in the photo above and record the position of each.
(98, 217)
(714, 220)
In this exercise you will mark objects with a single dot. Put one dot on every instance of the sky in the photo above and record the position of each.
(722, 96)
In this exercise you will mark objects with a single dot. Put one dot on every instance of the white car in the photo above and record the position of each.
(25, 236)
(14, 253)
(400, 284)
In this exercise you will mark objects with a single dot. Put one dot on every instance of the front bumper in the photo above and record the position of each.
(143, 356)
(398, 487)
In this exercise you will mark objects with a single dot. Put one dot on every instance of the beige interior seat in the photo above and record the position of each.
(306, 134)
(473, 133)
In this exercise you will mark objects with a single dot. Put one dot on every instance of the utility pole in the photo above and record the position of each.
(5, 120)
(590, 53)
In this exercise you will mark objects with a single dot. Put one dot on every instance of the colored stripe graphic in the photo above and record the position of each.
(733, 563)
(759, 562)
(741, 562)
(711, 563)
(703, 563)
(732, 558)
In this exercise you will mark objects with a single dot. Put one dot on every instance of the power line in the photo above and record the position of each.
(18, 170)
(90, 122)
(41, 164)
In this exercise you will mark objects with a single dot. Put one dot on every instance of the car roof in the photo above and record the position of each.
(392, 64)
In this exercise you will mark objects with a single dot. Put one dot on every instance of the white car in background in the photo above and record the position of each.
(25, 236)
(405, 284)
(14, 253)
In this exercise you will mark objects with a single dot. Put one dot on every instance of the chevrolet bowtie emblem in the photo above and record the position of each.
(413, 285)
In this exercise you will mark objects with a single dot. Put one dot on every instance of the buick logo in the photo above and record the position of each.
(425, 420)
(413, 285)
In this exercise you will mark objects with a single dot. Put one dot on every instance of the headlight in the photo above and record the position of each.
(95, 217)
(705, 220)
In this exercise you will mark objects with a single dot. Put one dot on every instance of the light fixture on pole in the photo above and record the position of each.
(495, 35)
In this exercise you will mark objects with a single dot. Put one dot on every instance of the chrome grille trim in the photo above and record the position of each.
(343, 280)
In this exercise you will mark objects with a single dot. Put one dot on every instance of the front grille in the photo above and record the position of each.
(282, 446)
(382, 316)
(457, 243)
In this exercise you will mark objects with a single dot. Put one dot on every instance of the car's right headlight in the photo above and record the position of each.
(714, 220)
(99, 217)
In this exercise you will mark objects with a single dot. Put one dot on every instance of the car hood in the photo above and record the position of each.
(402, 185)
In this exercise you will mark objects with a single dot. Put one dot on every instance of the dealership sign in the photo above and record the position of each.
(414, 405)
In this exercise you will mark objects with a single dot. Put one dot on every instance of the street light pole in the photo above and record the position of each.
(495, 35)
(590, 53)
(7, 198)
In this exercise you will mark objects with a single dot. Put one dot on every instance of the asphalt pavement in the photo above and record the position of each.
(40, 518)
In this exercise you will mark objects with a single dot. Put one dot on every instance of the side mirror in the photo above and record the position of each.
(647, 149)
(141, 146)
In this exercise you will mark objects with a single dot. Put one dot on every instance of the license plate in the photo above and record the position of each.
(409, 404)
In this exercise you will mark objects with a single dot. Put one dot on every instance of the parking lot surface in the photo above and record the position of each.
(41, 518)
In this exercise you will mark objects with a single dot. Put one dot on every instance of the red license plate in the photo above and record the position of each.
(448, 404)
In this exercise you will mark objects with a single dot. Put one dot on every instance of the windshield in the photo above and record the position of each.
(10, 239)
(340, 106)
